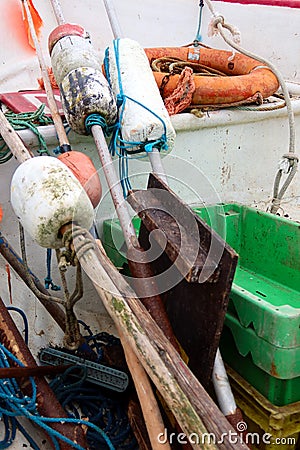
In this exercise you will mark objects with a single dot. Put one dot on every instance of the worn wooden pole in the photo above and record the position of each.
(61, 133)
(192, 407)
(31, 280)
(152, 416)
(13, 141)
(37, 371)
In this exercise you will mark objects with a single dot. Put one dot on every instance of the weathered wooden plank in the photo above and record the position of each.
(195, 270)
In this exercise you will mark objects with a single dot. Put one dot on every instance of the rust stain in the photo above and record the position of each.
(273, 370)
(225, 173)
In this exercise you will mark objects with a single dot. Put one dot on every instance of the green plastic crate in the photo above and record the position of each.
(279, 392)
(279, 362)
(113, 241)
(266, 290)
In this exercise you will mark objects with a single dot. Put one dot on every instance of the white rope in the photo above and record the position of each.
(217, 25)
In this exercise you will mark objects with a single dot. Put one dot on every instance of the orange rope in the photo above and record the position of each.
(182, 95)
(52, 80)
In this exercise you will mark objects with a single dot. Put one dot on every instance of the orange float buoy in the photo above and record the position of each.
(246, 77)
(85, 172)
(1, 213)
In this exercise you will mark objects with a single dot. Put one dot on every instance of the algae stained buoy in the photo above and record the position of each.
(46, 195)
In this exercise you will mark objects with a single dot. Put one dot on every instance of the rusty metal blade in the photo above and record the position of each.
(201, 265)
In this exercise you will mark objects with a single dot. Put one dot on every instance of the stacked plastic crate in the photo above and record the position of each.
(261, 336)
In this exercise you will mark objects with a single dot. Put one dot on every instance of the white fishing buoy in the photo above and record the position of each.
(84, 89)
(144, 117)
(45, 195)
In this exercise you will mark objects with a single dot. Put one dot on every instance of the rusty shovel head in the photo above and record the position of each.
(193, 267)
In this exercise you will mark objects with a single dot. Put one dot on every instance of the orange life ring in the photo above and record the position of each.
(246, 76)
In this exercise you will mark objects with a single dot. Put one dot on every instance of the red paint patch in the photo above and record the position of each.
(288, 3)
(29, 101)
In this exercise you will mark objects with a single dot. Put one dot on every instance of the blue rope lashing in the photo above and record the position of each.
(48, 280)
(125, 149)
(122, 98)
(97, 119)
(198, 37)
(65, 147)
(124, 173)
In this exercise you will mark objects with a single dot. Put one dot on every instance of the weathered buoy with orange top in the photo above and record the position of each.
(80, 164)
(45, 196)
(246, 77)
(85, 172)
(77, 70)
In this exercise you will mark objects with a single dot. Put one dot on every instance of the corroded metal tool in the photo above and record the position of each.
(195, 270)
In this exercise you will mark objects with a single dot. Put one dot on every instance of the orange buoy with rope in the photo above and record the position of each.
(224, 78)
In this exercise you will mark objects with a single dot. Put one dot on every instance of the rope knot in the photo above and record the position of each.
(213, 28)
(213, 25)
(97, 119)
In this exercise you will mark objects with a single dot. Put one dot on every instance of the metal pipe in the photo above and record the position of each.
(113, 19)
(222, 387)
(58, 12)
(157, 166)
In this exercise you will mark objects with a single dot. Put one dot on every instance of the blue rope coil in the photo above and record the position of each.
(76, 395)
(108, 426)
(14, 404)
